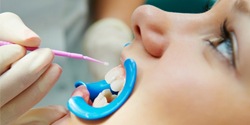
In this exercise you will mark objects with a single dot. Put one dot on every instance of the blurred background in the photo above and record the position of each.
(61, 25)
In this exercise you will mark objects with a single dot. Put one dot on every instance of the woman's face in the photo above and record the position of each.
(192, 68)
(183, 72)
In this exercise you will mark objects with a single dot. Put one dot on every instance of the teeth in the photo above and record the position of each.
(117, 85)
(100, 101)
(113, 74)
(106, 93)
(113, 97)
(103, 98)
(115, 77)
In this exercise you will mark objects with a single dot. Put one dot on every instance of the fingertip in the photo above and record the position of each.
(31, 39)
(28, 38)
(50, 77)
(8, 15)
(37, 61)
(14, 30)
(48, 51)
(56, 71)
(58, 67)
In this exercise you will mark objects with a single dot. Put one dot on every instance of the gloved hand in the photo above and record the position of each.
(104, 40)
(55, 115)
(24, 79)
(48, 115)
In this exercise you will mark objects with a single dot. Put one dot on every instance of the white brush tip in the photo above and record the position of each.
(106, 63)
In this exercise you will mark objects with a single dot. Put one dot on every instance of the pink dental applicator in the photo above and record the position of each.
(63, 53)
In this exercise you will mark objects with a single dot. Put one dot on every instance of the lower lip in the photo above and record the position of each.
(83, 92)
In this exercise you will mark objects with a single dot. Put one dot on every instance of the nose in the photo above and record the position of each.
(144, 20)
(156, 28)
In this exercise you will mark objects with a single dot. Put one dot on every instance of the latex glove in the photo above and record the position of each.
(24, 79)
(104, 40)
(55, 115)
(42, 116)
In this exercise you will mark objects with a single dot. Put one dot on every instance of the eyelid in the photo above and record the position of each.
(223, 29)
(231, 35)
(216, 40)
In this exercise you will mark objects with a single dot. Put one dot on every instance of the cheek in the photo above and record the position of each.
(194, 93)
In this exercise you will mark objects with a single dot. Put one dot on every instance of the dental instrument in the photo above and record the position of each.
(63, 54)
(79, 107)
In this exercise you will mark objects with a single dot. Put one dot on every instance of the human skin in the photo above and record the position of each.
(182, 78)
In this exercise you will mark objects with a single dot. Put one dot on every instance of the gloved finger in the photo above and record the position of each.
(32, 95)
(83, 92)
(44, 116)
(10, 54)
(65, 120)
(104, 40)
(12, 29)
(23, 73)
(71, 119)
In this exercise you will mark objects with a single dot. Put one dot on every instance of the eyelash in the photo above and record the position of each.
(226, 44)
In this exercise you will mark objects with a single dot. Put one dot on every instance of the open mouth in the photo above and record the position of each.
(116, 79)
(107, 95)
(102, 92)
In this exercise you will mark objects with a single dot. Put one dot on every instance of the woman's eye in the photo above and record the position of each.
(225, 47)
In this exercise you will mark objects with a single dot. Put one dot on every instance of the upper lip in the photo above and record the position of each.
(122, 58)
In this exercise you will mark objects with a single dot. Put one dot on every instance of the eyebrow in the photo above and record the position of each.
(242, 6)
